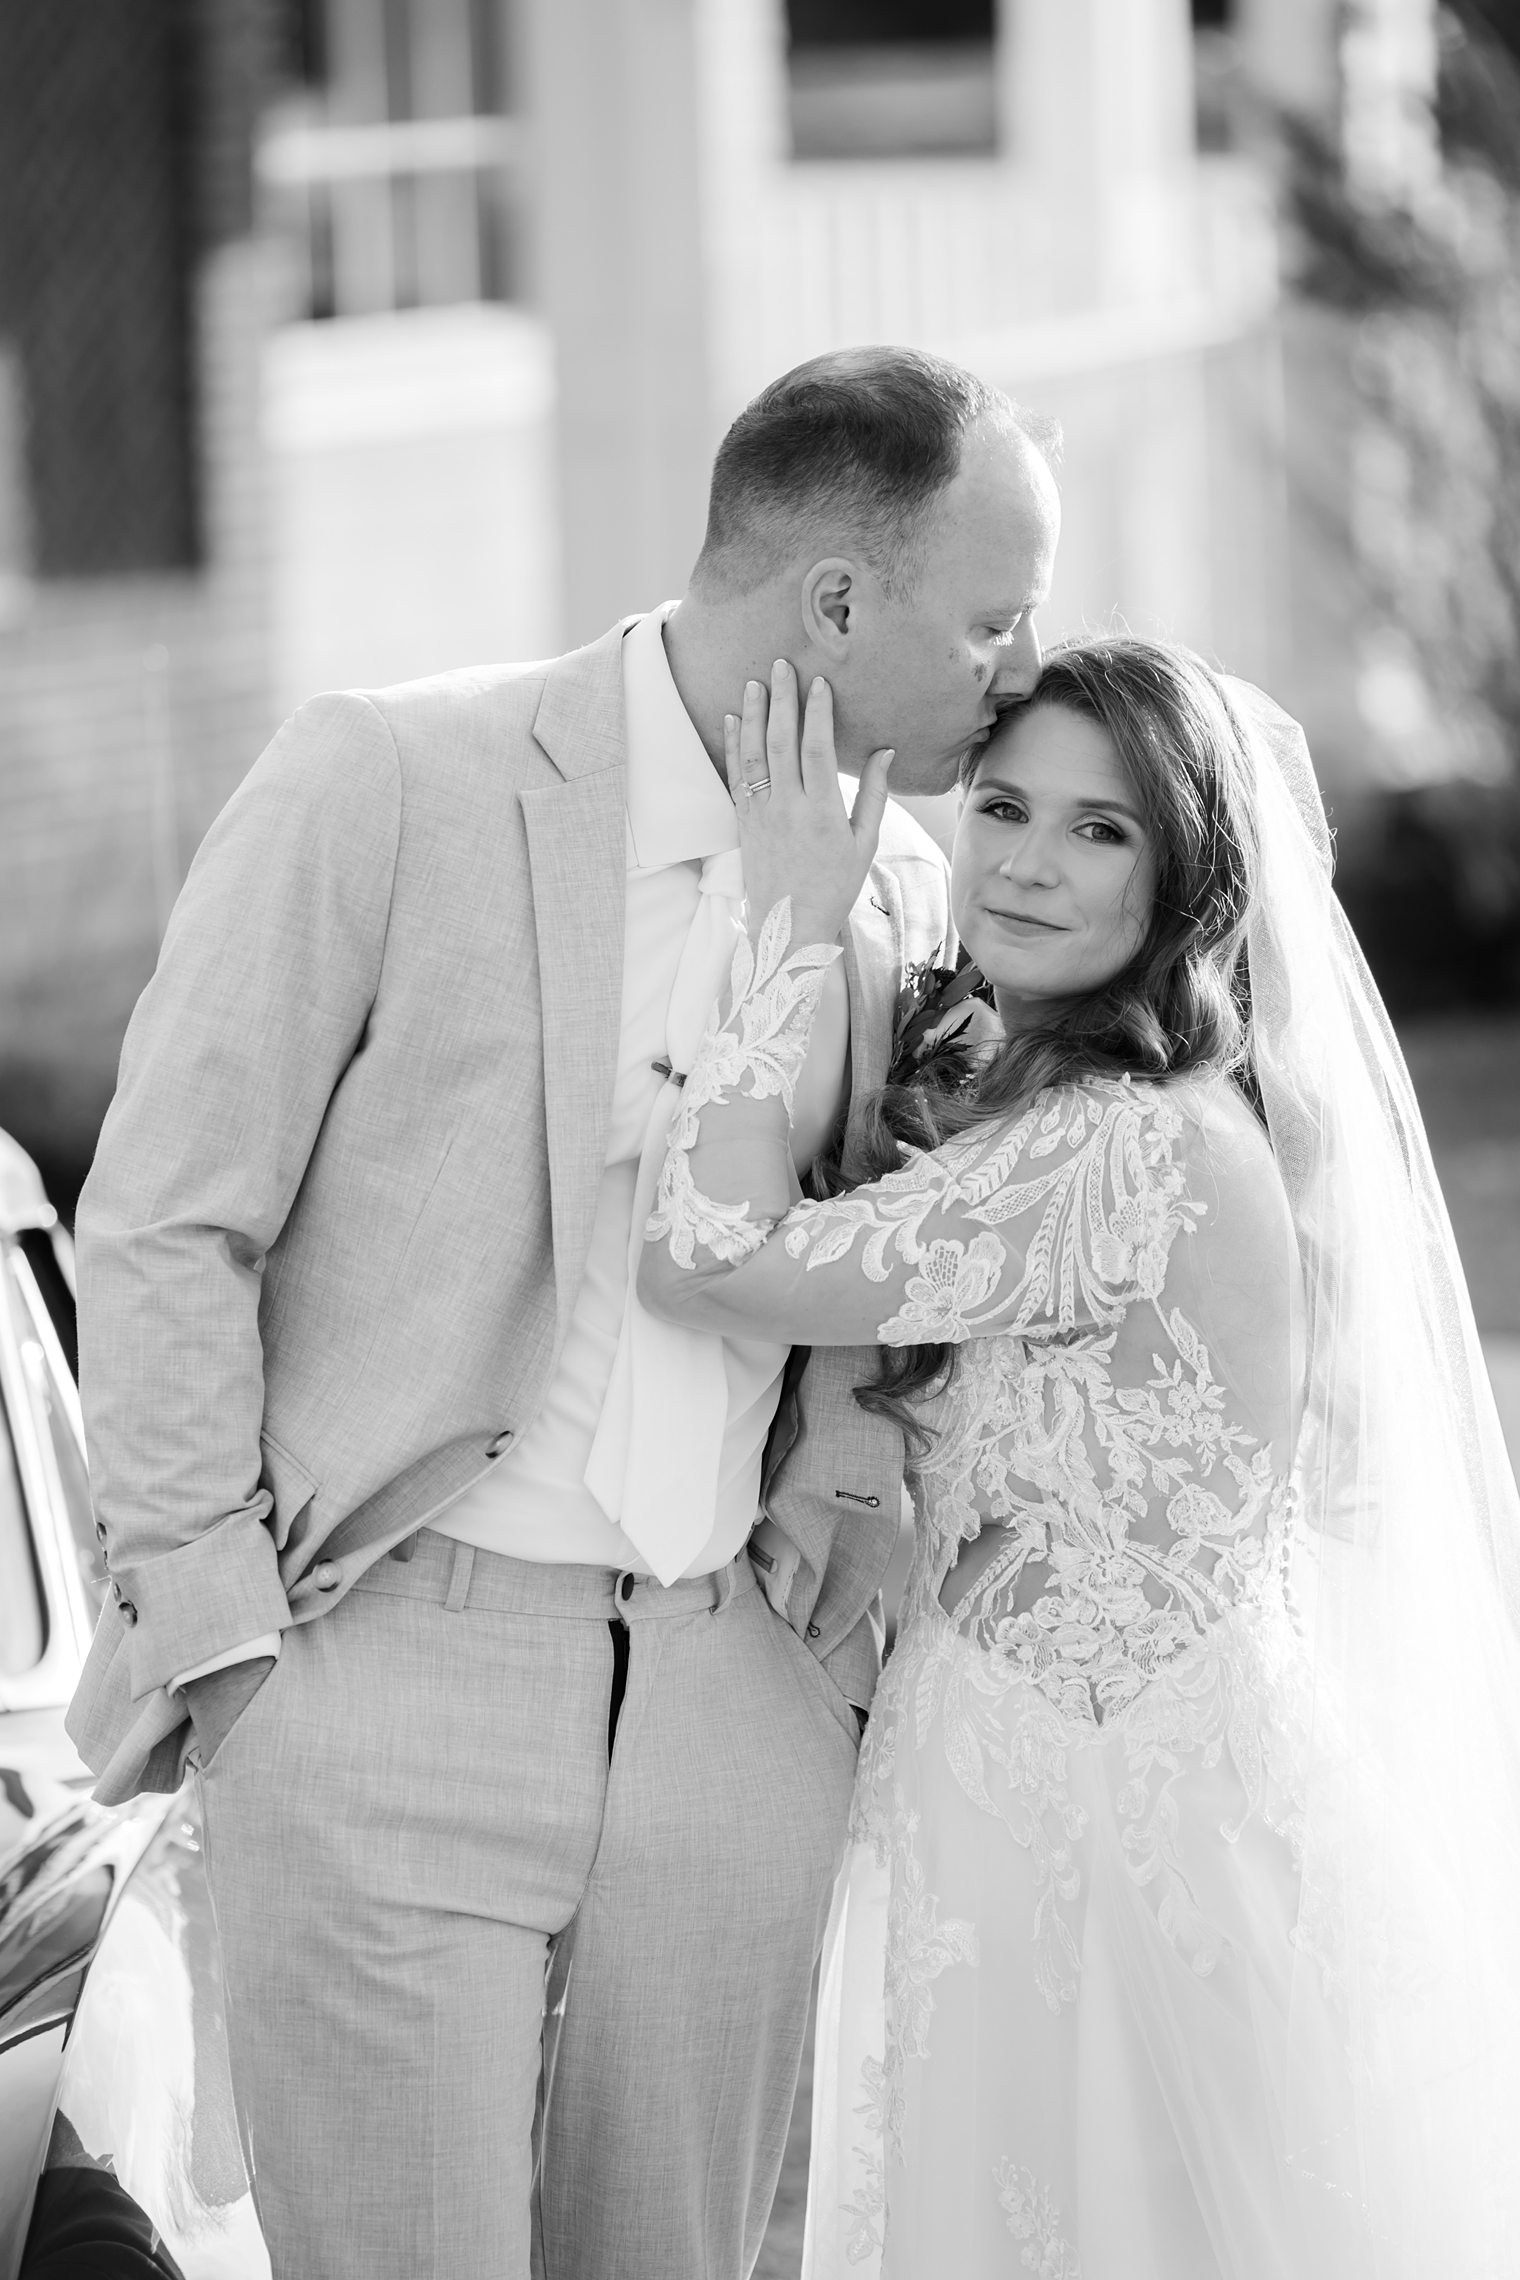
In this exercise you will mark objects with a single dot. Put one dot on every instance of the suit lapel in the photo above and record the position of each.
(577, 858)
(873, 957)
(579, 722)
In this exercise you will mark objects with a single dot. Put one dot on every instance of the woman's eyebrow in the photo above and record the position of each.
(1113, 807)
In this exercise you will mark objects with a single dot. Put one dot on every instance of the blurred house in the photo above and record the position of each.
(688, 201)
(344, 340)
(409, 412)
(134, 662)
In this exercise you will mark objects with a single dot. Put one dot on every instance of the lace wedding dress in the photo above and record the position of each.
(1057, 1983)
(1176, 1935)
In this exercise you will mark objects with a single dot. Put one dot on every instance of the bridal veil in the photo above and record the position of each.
(1406, 1579)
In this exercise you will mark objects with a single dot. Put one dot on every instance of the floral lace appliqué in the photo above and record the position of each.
(920, 1945)
(1095, 1228)
(759, 1049)
(1034, 2219)
(1135, 1596)
(867, 2207)
(1063, 1214)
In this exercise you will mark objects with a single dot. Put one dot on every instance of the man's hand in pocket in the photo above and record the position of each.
(217, 1701)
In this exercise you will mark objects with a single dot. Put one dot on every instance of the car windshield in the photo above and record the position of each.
(23, 1626)
(55, 1407)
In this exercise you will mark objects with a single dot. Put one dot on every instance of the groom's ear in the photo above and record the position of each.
(830, 606)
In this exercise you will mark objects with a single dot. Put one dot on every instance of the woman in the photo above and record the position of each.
(1172, 1940)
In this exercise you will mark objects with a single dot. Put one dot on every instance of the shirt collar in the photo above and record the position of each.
(678, 811)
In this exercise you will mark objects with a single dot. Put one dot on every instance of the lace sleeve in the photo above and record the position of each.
(1056, 1219)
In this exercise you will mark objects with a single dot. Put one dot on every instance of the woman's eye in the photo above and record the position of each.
(1004, 811)
(1105, 834)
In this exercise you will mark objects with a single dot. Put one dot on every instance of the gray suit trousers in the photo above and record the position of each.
(417, 1813)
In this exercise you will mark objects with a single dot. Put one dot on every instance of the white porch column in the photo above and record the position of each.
(610, 89)
(1096, 114)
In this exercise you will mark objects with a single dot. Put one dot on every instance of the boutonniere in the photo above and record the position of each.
(938, 1010)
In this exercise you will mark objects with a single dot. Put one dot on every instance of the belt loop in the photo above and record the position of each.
(459, 1578)
(723, 1585)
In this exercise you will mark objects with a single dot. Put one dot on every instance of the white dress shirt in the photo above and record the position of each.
(534, 1504)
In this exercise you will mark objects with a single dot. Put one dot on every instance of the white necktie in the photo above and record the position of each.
(654, 1460)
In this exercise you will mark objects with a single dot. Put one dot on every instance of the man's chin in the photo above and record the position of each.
(926, 778)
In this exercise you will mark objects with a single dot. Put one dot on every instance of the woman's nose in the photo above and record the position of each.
(1031, 863)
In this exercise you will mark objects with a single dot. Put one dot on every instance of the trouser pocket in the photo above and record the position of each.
(840, 1709)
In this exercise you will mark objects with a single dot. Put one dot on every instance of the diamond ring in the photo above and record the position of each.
(760, 784)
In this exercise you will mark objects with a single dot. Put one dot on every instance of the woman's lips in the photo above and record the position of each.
(1016, 922)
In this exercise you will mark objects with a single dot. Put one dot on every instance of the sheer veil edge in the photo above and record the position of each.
(1406, 1577)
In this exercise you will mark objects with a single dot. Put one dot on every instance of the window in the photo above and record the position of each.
(891, 78)
(391, 169)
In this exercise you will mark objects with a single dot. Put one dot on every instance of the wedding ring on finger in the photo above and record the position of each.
(760, 784)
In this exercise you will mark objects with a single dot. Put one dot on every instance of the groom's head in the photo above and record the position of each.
(887, 520)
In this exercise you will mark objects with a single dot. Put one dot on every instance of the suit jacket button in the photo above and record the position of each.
(128, 1612)
(502, 1442)
(327, 1575)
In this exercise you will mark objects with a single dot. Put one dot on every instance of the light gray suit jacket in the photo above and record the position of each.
(343, 1197)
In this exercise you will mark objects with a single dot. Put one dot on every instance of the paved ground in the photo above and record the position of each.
(1467, 1074)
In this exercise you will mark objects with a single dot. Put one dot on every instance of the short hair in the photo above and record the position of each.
(858, 443)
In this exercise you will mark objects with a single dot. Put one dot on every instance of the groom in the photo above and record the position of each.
(441, 1545)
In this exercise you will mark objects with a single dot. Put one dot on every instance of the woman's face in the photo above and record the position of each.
(1053, 873)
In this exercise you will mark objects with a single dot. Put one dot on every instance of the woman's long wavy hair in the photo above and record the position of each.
(1180, 1004)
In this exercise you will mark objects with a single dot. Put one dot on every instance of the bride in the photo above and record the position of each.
(1176, 1934)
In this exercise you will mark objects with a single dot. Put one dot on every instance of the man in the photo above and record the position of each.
(354, 1283)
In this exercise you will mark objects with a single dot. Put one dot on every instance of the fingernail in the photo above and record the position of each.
(817, 689)
(729, 722)
(778, 668)
(889, 756)
(752, 688)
